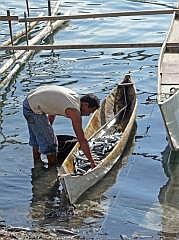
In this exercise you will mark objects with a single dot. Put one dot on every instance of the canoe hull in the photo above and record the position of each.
(84, 182)
(76, 185)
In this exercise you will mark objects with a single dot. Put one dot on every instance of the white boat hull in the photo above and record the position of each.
(168, 84)
(170, 115)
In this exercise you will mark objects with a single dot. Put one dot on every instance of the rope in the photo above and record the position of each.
(148, 125)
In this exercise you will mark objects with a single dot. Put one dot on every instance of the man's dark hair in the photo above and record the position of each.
(91, 99)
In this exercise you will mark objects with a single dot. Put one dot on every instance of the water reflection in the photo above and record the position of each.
(169, 195)
(48, 201)
(43, 180)
(3, 99)
(49, 206)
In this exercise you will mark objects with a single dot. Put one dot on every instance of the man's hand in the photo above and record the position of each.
(75, 117)
(93, 164)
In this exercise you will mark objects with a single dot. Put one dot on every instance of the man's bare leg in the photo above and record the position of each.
(36, 154)
(52, 159)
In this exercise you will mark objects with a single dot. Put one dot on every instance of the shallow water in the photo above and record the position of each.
(130, 199)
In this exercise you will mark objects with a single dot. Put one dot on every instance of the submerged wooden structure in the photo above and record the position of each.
(19, 57)
(168, 82)
(22, 52)
(108, 132)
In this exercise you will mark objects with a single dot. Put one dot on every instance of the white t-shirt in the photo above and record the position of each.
(53, 100)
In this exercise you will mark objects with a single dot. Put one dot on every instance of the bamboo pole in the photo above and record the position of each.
(100, 15)
(26, 54)
(14, 70)
(81, 46)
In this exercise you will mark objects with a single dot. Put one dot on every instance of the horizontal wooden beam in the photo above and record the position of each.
(9, 18)
(88, 46)
(98, 15)
(83, 16)
(80, 46)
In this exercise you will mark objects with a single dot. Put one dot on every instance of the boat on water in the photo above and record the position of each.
(168, 82)
(108, 132)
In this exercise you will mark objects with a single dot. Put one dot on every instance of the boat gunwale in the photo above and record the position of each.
(161, 57)
(169, 98)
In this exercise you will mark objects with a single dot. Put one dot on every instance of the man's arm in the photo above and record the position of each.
(75, 117)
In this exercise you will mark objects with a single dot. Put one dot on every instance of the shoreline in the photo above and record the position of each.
(10, 233)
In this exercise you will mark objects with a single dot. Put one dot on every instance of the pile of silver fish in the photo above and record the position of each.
(100, 148)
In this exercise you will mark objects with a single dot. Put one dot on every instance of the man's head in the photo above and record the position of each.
(89, 103)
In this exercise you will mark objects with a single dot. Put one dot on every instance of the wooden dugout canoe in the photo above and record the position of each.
(168, 82)
(115, 117)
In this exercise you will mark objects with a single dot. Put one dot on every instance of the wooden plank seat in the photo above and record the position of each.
(170, 78)
(125, 84)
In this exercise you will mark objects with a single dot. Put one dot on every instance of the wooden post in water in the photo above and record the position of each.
(26, 30)
(50, 14)
(49, 8)
(10, 28)
(27, 6)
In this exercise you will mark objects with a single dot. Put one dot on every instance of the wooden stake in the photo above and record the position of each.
(26, 29)
(49, 8)
(10, 29)
(27, 6)
(10, 26)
